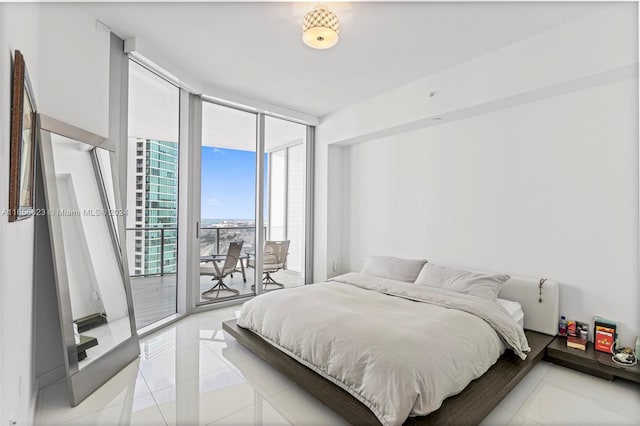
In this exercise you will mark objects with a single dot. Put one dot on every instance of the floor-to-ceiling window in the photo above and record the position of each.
(228, 226)
(285, 143)
(227, 203)
(152, 194)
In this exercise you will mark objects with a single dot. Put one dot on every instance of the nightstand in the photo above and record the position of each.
(590, 361)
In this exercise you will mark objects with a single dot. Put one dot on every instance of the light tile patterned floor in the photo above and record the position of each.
(194, 373)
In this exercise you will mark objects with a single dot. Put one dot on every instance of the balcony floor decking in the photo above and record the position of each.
(154, 297)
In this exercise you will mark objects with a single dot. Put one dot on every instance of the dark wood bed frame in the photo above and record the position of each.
(470, 406)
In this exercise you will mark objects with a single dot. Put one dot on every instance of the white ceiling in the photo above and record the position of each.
(256, 49)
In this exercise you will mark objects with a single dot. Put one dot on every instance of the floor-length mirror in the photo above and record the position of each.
(94, 294)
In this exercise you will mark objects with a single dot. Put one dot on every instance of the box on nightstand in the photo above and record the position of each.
(577, 343)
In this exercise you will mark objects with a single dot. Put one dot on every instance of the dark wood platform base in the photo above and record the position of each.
(470, 406)
(590, 361)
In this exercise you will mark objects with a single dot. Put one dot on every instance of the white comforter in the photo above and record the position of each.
(399, 348)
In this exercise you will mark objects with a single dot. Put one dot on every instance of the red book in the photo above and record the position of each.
(603, 341)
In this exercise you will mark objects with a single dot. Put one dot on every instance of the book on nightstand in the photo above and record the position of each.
(577, 343)
(605, 334)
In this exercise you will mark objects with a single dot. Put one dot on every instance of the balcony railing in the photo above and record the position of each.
(213, 240)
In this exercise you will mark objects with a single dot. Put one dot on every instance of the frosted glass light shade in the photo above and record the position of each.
(320, 29)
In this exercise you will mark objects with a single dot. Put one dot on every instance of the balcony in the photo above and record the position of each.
(152, 255)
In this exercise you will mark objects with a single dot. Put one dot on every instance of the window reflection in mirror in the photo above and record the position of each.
(95, 282)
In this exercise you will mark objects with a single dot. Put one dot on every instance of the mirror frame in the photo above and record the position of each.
(82, 382)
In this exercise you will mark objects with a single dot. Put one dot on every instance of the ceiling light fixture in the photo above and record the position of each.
(320, 28)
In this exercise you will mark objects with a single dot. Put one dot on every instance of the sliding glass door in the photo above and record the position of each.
(227, 203)
(230, 236)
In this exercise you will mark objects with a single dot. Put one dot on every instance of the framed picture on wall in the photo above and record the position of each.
(23, 147)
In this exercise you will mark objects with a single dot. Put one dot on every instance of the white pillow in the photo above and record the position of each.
(482, 285)
(514, 309)
(393, 268)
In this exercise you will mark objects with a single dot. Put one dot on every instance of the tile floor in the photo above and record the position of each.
(193, 373)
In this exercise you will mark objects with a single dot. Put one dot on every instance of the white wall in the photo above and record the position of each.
(598, 48)
(16, 239)
(533, 169)
(66, 56)
(546, 189)
(74, 64)
(2, 157)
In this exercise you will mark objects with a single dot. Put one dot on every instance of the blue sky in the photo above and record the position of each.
(228, 183)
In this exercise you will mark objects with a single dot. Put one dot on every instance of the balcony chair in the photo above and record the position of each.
(228, 268)
(274, 259)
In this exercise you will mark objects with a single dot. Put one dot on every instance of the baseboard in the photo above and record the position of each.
(33, 404)
(52, 376)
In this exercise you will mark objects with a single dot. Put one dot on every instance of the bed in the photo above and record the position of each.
(384, 351)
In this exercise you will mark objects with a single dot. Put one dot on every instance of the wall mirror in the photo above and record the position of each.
(85, 218)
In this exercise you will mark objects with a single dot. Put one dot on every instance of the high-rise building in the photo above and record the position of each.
(156, 206)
